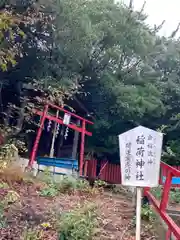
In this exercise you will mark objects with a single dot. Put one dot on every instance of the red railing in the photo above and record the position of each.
(161, 206)
(164, 173)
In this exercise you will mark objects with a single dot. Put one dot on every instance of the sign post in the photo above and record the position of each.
(138, 213)
(140, 154)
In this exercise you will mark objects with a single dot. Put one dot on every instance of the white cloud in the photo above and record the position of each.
(159, 10)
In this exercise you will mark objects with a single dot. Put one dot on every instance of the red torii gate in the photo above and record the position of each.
(80, 128)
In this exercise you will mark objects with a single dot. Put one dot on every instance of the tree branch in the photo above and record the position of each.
(173, 34)
(159, 27)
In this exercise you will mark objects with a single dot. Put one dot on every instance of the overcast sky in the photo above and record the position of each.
(159, 10)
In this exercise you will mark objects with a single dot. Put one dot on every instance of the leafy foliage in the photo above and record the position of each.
(79, 223)
(99, 52)
(147, 213)
(174, 194)
(50, 191)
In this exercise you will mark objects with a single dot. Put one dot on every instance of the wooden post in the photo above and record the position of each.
(165, 194)
(61, 140)
(82, 148)
(138, 213)
(38, 136)
(51, 155)
(75, 142)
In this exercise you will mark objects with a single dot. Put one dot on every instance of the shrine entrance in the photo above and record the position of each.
(59, 121)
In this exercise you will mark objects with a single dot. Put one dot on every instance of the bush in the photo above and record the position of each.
(78, 224)
(50, 191)
(147, 213)
(67, 184)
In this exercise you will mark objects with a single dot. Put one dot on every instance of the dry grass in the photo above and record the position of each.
(12, 174)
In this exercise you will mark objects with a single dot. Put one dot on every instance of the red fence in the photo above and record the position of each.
(161, 206)
(164, 173)
(112, 172)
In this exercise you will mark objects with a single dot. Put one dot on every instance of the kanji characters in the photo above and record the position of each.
(140, 152)
(140, 163)
(140, 176)
(140, 139)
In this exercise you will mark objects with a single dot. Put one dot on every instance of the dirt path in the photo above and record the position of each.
(115, 213)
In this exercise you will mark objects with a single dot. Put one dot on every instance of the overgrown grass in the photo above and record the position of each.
(174, 195)
(147, 213)
(9, 197)
(12, 173)
(67, 184)
(79, 224)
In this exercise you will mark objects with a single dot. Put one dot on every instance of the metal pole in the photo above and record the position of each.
(138, 213)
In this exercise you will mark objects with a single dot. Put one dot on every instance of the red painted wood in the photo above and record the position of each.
(82, 148)
(169, 172)
(60, 121)
(85, 168)
(172, 226)
(82, 130)
(91, 169)
(70, 113)
(165, 194)
(110, 173)
(174, 170)
(38, 136)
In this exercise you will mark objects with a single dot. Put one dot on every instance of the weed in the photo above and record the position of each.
(82, 184)
(2, 217)
(147, 213)
(47, 175)
(157, 192)
(78, 224)
(175, 196)
(67, 184)
(49, 191)
(30, 234)
(100, 184)
(4, 185)
(11, 197)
